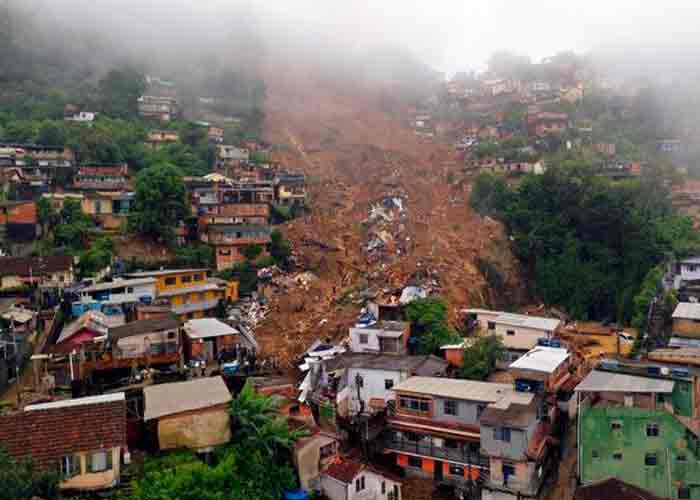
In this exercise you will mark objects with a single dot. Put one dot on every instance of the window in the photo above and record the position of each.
(388, 384)
(415, 462)
(681, 458)
(186, 279)
(170, 281)
(130, 289)
(501, 434)
(99, 461)
(456, 470)
(364, 338)
(451, 407)
(413, 404)
(197, 277)
(412, 436)
(510, 332)
(616, 425)
(479, 410)
(491, 325)
(70, 466)
(684, 493)
(171, 335)
(383, 487)
(617, 456)
(594, 454)
(650, 459)
(652, 430)
(360, 483)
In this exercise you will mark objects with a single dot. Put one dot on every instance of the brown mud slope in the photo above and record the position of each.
(357, 155)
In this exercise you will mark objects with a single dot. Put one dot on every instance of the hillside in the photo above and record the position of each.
(356, 155)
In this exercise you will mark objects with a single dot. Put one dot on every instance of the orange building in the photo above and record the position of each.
(190, 292)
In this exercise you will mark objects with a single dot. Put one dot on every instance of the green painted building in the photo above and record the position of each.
(636, 428)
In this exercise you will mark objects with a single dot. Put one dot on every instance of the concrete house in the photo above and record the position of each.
(360, 383)
(435, 431)
(313, 454)
(46, 272)
(519, 332)
(639, 423)
(385, 337)
(516, 440)
(82, 439)
(102, 177)
(686, 325)
(352, 480)
(206, 338)
(192, 414)
(542, 369)
(120, 291)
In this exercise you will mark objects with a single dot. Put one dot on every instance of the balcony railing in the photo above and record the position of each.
(460, 455)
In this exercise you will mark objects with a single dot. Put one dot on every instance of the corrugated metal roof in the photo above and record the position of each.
(599, 381)
(169, 399)
(541, 359)
(68, 403)
(687, 310)
(203, 328)
(118, 284)
(525, 321)
(454, 388)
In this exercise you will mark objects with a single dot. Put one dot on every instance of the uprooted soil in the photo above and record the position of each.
(355, 154)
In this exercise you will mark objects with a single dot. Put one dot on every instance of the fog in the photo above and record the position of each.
(448, 35)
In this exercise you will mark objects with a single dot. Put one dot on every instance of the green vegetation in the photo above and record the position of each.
(24, 480)
(97, 257)
(588, 242)
(160, 202)
(255, 465)
(194, 255)
(428, 319)
(280, 249)
(480, 358)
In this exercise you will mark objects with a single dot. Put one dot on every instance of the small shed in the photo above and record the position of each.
(206, 338)
(192, 414)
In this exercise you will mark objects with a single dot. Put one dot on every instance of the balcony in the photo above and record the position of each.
(427, 449)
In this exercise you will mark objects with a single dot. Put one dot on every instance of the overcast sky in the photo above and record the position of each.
(456, 34)
(450, 35)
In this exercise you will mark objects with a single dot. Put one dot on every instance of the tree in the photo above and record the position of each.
(160, 202)
(280, 250)
(259, 423)
(46, 215)
(255, 465)
(73, 226)
(23, 479)
(97, 257)
(480, 358)
(52, 133)
(428, 319)
(252, 252)
(120, 90)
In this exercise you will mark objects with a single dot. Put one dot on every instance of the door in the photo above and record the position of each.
(437, 471)
(209, 351)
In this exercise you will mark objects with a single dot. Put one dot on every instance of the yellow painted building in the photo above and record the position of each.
(190, 292)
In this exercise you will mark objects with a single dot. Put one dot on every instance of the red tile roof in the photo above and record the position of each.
(613, 489)
(345, 470)
(46, 435)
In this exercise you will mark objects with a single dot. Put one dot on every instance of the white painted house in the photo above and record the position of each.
(363, 383)
(120, 291)
(690, 269)
(351, 480)
(519, 332)
(386, 337)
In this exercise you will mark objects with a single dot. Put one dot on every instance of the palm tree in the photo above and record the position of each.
(258, 423)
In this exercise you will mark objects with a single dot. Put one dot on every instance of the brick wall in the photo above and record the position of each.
(48, 435)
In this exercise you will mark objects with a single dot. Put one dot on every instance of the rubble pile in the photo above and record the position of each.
(381, 218)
